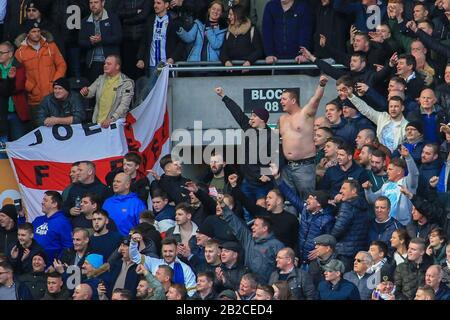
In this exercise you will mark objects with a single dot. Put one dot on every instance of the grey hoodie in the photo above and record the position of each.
(259, 253)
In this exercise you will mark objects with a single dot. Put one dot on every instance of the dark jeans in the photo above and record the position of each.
(74, 61)
(16, 127)
(129, 50)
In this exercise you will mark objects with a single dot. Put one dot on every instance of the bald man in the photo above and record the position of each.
(433, 278)
(124, 206)
(430, 115)
(321, 122)
(82, 292)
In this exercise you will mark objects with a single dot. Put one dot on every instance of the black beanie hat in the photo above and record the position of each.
(63, 82)
(10, 211)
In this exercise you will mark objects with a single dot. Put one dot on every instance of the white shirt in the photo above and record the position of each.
(158, 45)
(152, 265)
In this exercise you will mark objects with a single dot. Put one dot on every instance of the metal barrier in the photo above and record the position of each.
(209, 66)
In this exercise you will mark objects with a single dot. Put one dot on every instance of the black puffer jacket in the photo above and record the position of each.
(409, 276)
(173, 186)
(134, 14)
(300, 283)
(351, 227)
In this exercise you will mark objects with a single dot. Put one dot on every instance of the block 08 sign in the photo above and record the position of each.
(268, 98)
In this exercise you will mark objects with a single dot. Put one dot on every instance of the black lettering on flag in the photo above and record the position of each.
(68, 134)
(88, 131)
(155, 148)
(115, 163)
(40, 172)
(38, 135)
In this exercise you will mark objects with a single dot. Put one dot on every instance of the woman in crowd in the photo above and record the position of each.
(400, 241)
(206, 38)
(242, 40)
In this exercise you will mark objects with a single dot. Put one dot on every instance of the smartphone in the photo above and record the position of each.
(18, 205)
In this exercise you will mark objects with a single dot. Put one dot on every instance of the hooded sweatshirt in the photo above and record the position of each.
(53, 234)
(124, 210)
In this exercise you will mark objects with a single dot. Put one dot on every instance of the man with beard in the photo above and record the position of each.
(149, 288)
(89, 204)
(103, 241)
(183, 274)
(217, 177)
(377, 173)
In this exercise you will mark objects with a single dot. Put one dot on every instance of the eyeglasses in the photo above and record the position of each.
(360, 261)
(31, 10)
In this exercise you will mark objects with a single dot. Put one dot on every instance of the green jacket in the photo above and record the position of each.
(409, 276)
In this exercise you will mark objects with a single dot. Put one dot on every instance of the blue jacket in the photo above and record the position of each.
(311, 225)
(345, 131)
(285, 32)
(362, 13)
(383, 231)
(351, 227)
(53, 234)
(415, 150)
(442, 184)
(443, 292)
(166, 218)
(360, 123)
(426, 171)
(214, 38)
(343, 290)
(335, 176)
(124, 210)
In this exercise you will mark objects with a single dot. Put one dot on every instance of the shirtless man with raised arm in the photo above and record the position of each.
(297, 131)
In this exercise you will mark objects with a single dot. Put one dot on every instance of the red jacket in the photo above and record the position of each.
(19, 97)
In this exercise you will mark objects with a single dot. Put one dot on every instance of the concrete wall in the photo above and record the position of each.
(192, 99)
